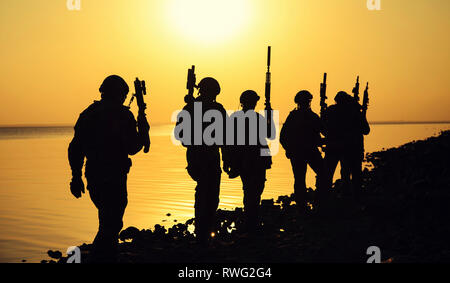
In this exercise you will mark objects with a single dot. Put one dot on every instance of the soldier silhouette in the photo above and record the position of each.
(345, 126)
(300, 137)
(105, 134)
(250, 156)
(203, 159)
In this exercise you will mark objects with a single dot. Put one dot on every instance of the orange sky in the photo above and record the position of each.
(53, 59)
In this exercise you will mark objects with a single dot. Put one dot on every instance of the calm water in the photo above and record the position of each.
(37, 211)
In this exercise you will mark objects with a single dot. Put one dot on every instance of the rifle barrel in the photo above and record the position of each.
(144, 89)
(267, 95)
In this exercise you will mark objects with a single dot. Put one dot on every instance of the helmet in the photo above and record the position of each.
(209, 86)
(303, 96)
(114, 85)
(249, 96)
(342, 97)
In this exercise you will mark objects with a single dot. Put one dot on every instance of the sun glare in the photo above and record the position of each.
(208, 21)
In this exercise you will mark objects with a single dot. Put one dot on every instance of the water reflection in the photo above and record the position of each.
(37, 211)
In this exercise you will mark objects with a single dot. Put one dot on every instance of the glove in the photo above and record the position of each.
(232, 173)
(142, 123)
(77, 186)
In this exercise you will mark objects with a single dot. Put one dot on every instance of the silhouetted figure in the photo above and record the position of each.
(105, 134)
(345, 127)
(203, 158)
(300, 137)
(250, 155)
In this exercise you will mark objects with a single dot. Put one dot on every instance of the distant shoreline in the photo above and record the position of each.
(162, 124)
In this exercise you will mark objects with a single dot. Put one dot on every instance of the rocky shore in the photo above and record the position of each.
(404, 210)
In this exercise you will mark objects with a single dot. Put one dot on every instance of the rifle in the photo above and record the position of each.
(143, 126)
(268, 107)
(323, 96)
(356, 90)
(190, 85)
(365, 100)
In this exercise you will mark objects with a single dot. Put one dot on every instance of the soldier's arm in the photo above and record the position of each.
(285, 130)
(180, 117)
(365, 127)
(320, 128)
(225, 149)
(75, 151)
(133, 141)
(323, 123)
(272, 127)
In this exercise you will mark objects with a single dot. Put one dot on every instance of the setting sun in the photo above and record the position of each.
(208, 21)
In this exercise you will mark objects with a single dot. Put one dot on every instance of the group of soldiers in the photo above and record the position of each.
(106, 133)
(239, 159)
(343, 126)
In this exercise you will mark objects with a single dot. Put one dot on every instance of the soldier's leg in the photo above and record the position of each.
(95, 193)
(330, 162)
(348, 163)
(253, 186)
(110, 198)
(114, 210)
(213, 199)
(315, 161)
(260, 182)
(206, 203)
(345, 171)
(201, 201)
(355, 163)
(247, 188)
(299, 169)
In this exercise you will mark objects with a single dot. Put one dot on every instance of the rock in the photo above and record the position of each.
(267, 202)
(129, 234)
(54, 254)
